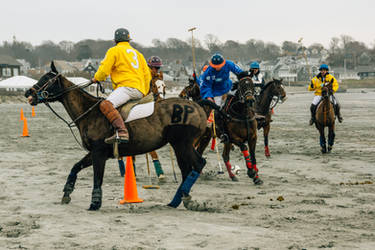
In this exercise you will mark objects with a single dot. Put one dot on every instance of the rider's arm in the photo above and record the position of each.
(206, 88)
(234, 68)
(312, 84)
(335, 84)
(106, 65)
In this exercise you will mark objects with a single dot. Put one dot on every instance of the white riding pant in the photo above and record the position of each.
(317, 99)
(122, 95)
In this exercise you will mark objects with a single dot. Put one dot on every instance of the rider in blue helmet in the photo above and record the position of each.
(215, 80)
(216, 84)
(316, 85)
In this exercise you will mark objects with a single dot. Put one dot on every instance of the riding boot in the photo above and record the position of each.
(115, 118)
(337, 112)
(313, 111)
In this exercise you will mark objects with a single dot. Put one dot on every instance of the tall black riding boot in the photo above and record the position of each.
(337, 112)
(313, 111)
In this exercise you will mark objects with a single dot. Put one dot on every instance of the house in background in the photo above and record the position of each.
(366, 72)
(9, 66)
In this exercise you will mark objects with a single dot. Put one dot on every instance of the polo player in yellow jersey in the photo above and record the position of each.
(130, 77)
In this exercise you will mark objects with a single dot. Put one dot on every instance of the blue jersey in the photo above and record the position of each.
(217, 83)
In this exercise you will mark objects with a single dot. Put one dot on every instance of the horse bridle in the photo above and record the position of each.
(41, 92)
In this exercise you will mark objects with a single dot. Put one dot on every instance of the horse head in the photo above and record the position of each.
(191, 91)
(326, 89)
(47, 89)
(278, 89)
(160, 88)
(245, 91)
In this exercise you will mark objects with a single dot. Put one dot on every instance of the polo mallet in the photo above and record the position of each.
(217, 147)
(193, 49)
(150, 186)
(171, 154)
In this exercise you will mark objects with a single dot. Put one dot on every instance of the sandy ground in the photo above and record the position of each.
(329, 200)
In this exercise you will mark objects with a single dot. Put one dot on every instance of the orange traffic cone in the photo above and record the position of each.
(33, 111)
(25, 132)
(21, 115)
(130, 186)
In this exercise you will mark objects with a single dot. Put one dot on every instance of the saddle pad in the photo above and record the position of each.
(140, 111)
(125, 109)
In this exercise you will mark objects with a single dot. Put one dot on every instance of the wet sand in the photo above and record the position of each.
(325, 201)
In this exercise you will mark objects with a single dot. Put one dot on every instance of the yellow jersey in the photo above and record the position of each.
(127, 67)
(318, 80)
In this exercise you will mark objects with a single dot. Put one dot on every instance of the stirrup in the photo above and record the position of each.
(116, 138)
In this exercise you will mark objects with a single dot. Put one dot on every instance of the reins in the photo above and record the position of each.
(47, 98)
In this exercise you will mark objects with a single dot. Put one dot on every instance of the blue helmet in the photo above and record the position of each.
(323, 66)
(254, 65)
(217, 61)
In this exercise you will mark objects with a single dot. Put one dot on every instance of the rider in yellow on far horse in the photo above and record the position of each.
(316, 85)
(130, 77)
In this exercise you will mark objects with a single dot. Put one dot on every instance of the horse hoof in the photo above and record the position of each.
(251, 173)
(234, 178)
(268, 155)
(66, 200)
(162, 178)
(258, 181)
(94, 207)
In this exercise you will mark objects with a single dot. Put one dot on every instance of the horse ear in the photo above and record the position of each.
(281, 80)
(53, 68)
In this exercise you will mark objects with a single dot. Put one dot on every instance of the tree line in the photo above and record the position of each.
(342, 51)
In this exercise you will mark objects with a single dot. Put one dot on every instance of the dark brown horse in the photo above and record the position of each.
(241, 128)
(175, 121)
(325, 117)
(264, 103)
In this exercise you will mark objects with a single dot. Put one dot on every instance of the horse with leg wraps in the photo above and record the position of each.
(325, 117)
(263, 107)
(241, 127)
(175, 121)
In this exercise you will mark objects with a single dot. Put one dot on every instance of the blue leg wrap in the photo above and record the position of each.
(177, 198)
(184, 188)
(121, 166)
(189, 182)
(322, 141)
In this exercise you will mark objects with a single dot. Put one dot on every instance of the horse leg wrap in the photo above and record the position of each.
(121, 166)
(184, 189)
(189, 182)
(158, 168)
(229, 169)
(69, 186)
(246, 155)
(267, 151)
(177, 199)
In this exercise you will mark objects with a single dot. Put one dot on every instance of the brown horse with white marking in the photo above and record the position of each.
(325, 117)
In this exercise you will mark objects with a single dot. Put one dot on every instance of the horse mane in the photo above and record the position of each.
(267, 85)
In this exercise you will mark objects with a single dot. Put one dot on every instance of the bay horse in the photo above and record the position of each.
(263, 107)
(241, 127)
(175, 121)
(325, 117)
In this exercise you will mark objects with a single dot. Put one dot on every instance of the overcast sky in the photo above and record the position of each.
(269, 20)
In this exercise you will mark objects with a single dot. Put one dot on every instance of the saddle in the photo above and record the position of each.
(126, 109)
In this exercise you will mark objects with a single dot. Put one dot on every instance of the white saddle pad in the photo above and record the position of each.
(140, 111)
